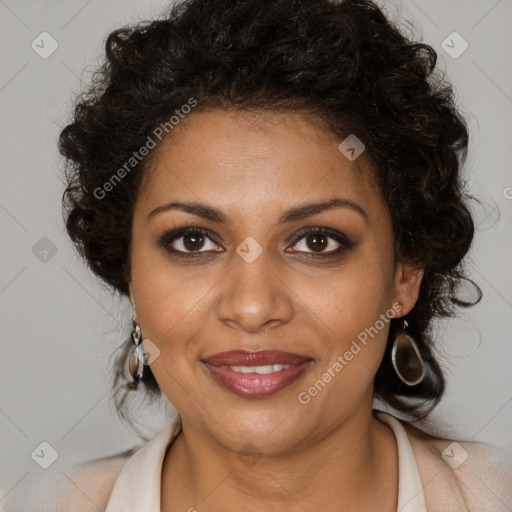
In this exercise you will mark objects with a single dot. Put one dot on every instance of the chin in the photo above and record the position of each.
(271, 428)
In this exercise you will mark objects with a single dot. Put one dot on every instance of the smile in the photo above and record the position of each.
(261, 370)
(264, 373)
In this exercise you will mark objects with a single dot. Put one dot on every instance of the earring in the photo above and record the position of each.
(136, 358)
(406, 359)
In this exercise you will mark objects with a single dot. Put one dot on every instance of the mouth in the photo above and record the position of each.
(256, 374)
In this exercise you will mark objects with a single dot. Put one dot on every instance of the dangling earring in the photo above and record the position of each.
(406, 359)
(136, 358)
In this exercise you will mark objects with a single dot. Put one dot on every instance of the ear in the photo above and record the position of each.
(407, 286)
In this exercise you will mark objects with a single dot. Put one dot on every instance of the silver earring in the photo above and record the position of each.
(406, 359)
(136, 358)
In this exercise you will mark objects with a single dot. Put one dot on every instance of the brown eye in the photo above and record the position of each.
(317, 242)
(193, 241)
(323, 241)
(189, 240)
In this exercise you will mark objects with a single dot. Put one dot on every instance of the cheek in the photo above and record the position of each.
(168, 301)
(358, 317)
(352, 296)
(354, 303)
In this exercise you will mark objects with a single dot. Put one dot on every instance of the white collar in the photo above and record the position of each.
(138, 485)
(410, 486)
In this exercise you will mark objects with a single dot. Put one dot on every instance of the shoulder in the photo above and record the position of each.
(476, 475)
(86, 486)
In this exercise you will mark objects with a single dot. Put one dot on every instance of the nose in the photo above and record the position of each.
(253, 297)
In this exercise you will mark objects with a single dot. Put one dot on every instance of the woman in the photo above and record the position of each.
(275, 186)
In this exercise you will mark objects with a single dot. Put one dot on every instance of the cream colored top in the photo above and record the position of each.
(434, 475)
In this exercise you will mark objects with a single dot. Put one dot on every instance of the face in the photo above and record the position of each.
(305, 292)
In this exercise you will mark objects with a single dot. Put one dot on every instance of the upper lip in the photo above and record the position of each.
(258, 358)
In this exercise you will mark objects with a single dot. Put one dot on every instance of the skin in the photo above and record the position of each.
(329, 454)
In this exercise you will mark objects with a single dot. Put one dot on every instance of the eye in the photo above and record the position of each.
(314, 242)
(321, 242)
(187, 241)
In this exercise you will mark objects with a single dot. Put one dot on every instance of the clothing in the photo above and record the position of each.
(435, 475)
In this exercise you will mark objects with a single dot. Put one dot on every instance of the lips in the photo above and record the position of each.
(256, 374)
(259, 358)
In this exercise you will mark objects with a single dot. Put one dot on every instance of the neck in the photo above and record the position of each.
(354, 466)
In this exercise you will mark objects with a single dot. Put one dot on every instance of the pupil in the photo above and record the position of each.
(316, 242)
(195, 239)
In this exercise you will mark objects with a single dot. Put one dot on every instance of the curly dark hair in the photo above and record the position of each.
(345, 64)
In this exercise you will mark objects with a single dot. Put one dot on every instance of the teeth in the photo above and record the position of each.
(265, 369)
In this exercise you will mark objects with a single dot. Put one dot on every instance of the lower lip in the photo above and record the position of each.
(255, 385)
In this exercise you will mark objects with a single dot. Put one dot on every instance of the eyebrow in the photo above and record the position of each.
(297, 213)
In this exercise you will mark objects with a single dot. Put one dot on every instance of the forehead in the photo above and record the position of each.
(254, 160)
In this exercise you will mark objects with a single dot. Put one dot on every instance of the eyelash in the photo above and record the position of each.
(171, 236)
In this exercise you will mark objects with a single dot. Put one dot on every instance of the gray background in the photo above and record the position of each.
(59, 326)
